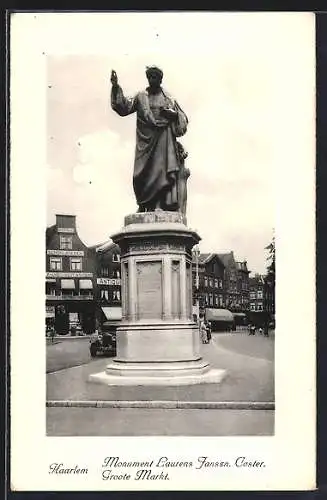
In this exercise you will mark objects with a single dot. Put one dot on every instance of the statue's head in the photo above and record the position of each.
(154, 76)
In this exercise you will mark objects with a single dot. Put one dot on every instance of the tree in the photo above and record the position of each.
(270, 282)
(271, 262)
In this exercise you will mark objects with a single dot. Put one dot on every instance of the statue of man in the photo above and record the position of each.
(160, 120)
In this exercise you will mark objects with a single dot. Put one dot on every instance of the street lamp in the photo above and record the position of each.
(196, 253)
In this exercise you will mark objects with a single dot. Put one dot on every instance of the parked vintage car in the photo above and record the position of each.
(104, 342)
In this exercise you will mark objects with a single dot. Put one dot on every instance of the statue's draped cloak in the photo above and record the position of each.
(156, 162)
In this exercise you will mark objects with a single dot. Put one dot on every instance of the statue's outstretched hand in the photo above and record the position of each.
(114, 78)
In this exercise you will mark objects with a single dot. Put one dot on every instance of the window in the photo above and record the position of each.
(206, 298)
(216, 300)
(55, 263)
(116, 295)
(211, 283)
(116, 274)
(216, 283)
(252, 295)
(259, 306)
(115, 257)
(205, 281)
(210, 299)
(221, 300)
(104, 271)
(104, 294)
(66, 242)
(252, 306)
(50, 289)
(75, 264)
(220, 283)
(260, 294)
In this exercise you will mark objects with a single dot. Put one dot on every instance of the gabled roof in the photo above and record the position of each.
(242, 266)
(257, 279)
(49, 232)
(105, 247)
(205, 257)
(226, 258)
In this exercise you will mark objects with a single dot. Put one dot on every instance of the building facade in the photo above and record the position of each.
(236, 283)
(262, 300)
(70, 278)
(83, 284)
(108, 283)
(208, 282)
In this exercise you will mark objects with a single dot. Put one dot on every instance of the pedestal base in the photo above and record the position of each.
(157, 342)
(154, 374)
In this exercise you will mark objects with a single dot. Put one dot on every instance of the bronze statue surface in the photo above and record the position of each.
(160, 176)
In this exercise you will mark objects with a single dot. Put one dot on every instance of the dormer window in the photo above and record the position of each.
(115, 257)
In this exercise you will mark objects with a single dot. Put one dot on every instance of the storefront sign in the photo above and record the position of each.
(66, 230)
(108, 281)
(71, 253)
(68, 275)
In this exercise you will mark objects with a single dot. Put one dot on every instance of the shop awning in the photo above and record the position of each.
(112, 313)
(219, 315)
(239, 315)
(85, 284)
(68, 284)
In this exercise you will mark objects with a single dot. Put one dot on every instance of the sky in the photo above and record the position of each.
(226, 72)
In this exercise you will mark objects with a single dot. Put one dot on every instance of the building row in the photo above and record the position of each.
(83, 284)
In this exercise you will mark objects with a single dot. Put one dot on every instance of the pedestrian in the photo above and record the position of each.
(203, 332)
(260, 331)
(209, 330)
(252, 329)
(52, 333)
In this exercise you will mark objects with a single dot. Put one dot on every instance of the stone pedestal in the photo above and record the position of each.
(157, 342)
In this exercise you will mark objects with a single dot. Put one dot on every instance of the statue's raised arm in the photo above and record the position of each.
(119, 103)
(158, 168)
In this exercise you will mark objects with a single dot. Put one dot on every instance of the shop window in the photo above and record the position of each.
(55, 263)
(66, 242)
(116, 295)
(50, 289)
(75, 264)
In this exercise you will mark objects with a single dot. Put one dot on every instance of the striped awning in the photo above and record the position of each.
(85, 284)
(112, 313)
(219, 315)
(68, 284)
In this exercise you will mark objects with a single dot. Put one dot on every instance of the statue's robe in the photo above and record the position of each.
(156, 162)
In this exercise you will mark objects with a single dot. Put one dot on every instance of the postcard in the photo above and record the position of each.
(162, 251)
